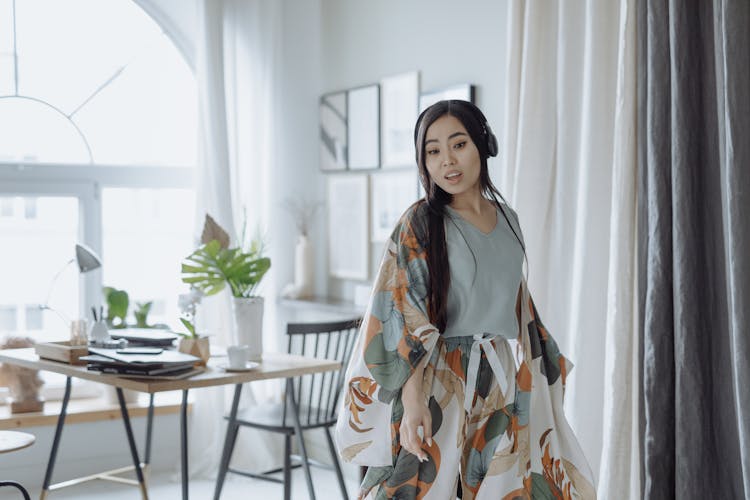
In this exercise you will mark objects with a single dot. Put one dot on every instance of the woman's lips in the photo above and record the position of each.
(454, 179)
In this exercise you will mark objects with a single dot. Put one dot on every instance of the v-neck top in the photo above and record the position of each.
(485, 273)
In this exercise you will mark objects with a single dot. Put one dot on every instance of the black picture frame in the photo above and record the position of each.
(333, 131)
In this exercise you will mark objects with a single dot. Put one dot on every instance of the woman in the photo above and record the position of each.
(435, 390)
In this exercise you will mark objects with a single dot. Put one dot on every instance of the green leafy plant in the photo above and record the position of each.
(141, 314)
(214, 266)
(117, 306)
(190, 328)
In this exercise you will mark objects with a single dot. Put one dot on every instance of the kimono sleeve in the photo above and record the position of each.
(394, 337)
(554, 366)
(398, 333)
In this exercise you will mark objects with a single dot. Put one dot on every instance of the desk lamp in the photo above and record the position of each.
(87, 260)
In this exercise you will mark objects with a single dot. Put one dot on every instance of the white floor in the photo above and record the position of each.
(167, 487)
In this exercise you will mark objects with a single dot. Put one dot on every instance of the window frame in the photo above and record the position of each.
(85, 182)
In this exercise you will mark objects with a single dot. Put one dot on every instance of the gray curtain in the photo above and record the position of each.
(694, 247)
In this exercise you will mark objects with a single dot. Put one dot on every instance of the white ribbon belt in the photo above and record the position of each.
(483, 342)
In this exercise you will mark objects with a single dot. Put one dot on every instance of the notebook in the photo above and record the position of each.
(165, 357)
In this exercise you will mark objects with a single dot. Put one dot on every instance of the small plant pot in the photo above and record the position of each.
(197, 347)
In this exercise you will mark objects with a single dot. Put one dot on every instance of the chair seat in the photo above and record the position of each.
(12, 441)
(269, 417)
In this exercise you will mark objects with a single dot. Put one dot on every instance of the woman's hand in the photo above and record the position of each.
(416, 415)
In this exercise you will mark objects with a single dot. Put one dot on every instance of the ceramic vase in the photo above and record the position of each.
(303, 267)
(248, 324)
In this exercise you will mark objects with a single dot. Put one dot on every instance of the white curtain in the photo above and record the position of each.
(237, 73)
(569, 168)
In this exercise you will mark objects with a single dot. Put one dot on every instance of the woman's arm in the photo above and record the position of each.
(416, 414)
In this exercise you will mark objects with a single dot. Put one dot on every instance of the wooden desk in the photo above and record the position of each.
(275, 365)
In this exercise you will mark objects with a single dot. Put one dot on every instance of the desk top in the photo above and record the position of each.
(273, 365)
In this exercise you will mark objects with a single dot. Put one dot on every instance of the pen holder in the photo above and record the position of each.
(99, 333)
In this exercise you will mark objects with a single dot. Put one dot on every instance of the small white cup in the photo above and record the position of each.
(238, 355)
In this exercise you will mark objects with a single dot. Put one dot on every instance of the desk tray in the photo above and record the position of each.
(62, 351)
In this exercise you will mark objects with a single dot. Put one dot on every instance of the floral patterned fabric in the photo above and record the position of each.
(510, 446)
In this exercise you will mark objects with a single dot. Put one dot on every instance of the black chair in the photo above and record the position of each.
(317, 396)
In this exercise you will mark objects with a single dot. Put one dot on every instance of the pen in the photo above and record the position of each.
(93, 311)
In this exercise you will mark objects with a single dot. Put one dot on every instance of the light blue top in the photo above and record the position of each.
(484, 285)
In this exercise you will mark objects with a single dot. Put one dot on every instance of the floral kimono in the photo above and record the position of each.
(497, 413)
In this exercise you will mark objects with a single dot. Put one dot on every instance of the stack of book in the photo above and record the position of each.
(142, 362)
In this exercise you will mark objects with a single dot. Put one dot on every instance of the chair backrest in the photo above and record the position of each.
(317, 394)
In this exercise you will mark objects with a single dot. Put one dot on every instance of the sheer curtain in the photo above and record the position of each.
(237, 72)
(569, 168)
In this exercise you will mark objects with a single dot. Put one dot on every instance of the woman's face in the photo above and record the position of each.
(451, 157)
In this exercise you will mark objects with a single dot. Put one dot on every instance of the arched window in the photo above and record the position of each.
(98, 143)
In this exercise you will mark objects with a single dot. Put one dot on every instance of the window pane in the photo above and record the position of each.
(33, 251)
(66, 50)
(154, 100)
(8, 318)
(146, 234)
(33, 131)
(6, 47)
(132, 72)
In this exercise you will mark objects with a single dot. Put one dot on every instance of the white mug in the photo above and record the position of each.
(238, 355)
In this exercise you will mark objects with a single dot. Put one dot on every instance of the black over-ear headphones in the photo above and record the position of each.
(491, 139)
(492, 147)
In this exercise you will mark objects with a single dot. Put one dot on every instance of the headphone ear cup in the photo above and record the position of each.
(492, 147)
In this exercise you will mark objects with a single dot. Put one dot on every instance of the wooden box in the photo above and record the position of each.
(62, 351)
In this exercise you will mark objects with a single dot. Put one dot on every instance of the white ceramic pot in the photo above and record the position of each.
(248, 324)
(303, 267)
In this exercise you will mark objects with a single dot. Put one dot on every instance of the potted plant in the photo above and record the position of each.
(191, 342)
(214, 266)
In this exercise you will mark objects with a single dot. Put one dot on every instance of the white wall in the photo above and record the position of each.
(297, 175)
(447, 42)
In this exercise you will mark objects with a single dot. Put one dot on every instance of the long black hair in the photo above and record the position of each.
(473, 120)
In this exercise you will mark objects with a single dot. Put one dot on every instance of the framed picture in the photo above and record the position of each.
(348, 255)
(363, 106)
(333, 131)
(462, 92)
(399, 112)
(392, 193)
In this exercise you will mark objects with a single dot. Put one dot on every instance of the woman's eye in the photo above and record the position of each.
(459, 145)
(432, 151)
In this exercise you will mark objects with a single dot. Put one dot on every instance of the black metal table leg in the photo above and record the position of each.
(149, 429)
(184, 444)
(298, 432)
(56, 440)
(131, 442)
(226, 453)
